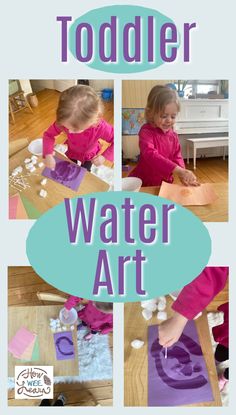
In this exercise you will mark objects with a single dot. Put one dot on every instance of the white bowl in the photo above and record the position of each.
(131, 184)
(72, 317)
(36, 147)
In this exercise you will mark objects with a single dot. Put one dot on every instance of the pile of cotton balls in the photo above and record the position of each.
(156, 304)
(56, 326)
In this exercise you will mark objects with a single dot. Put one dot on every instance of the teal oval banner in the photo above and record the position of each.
(123, 39)
(118, 246)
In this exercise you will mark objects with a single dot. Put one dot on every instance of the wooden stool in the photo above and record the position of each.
(17, 99)
(206, 142)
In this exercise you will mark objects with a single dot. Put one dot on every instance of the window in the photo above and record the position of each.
(198, 87)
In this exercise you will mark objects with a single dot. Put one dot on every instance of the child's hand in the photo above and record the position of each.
(98, 160)
(171, 330)
(186, 177)
(50, 161)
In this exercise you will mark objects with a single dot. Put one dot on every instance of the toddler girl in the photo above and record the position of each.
(193, 299)
(97, 316)
(160, 152)
(79, 116)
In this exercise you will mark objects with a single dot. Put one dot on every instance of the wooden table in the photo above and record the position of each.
(36, 319)
(136, 361)
(216, 212)
(56, 191)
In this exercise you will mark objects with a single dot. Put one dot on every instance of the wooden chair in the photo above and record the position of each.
(17, 99)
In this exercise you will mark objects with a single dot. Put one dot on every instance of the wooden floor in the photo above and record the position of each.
(31, 126)
(209, 170)
(23, 285)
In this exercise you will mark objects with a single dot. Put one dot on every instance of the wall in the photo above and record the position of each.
(98, 85)
(135, 93)
(26, 86)
(39, 84)
(61, 84)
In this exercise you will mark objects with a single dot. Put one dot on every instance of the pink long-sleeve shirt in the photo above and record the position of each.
(94, 318)
(195, 297)
(81, 146)
(160, 153)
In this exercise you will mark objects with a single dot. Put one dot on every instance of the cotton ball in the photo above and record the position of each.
(147, 314)
(151, 307)
(29, 166)
(43, 182)
(146, 303)
(137, 344)
(161, 306)
(53, 327)
(43, 193)
(162, 315)
(162, 299)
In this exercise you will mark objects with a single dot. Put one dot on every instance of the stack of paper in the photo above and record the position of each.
(24, 345)
(16, 208)
(21, 208)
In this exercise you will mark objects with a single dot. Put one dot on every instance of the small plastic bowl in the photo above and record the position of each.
(72, 318)
(131, 184)
(36, 147)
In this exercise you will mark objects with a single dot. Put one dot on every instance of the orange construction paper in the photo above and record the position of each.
(27, 354)
(188, 195)
(20, 211)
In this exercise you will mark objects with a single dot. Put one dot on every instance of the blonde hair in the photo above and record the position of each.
(158, 98)
(78, 105)
(106, 307)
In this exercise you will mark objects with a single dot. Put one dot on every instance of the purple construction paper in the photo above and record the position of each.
(64, 345)
(66, 173)
(182, 378)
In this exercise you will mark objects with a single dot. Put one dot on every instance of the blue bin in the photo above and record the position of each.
(107, 94)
